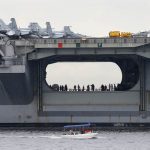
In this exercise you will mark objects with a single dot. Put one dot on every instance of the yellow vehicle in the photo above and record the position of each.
(126, 34)
(114, 34)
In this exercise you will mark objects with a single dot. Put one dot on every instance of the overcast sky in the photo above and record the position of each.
(90, 17)
(83, 74)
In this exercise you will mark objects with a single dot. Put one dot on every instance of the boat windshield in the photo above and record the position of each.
(78, 129)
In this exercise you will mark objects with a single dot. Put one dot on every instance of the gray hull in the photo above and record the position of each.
(26, 98)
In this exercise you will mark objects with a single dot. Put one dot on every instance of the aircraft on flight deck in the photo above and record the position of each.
(11, 30)
(35, 31)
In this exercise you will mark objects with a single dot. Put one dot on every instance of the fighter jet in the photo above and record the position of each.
(142, 34)
(69, 34)
(66, 33)
(18, 31)
(10, 30)
(41, 32)
(36, 29)
(3, 29)
(21, 32)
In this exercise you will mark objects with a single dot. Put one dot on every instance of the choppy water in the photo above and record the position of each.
(46, 140)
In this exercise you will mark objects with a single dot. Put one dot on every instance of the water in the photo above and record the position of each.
(47, 140)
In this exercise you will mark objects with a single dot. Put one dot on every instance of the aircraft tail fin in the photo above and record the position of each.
(49, 29)
(34, 26)
(3, 26)
(67, 30)
(13, 24)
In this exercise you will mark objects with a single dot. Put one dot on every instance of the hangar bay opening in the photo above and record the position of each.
(91, 76)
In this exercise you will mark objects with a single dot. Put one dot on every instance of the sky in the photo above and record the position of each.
(89, 17)
(83, 74)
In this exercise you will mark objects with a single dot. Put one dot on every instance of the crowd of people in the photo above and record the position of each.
(103, 87)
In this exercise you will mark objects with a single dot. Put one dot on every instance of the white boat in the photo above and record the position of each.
(91, 135)
(82, 131)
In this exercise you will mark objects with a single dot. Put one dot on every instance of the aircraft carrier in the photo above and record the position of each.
(25, 97)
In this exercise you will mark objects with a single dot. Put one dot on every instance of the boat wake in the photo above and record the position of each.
(54, 136)
(43, 136)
